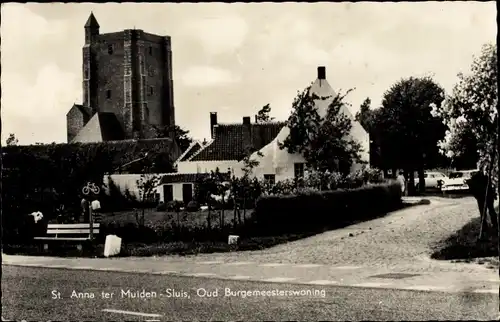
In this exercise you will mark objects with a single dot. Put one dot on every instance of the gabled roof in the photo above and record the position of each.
(194, 147)
(82, 109)
(101, 127)
(232, 141)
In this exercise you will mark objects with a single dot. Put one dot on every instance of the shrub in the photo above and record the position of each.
(192, 206)
(161, 206)
(174, 205)
(308, 209)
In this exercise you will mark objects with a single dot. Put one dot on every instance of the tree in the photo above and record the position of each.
(409, 133)
(263, 114)
(365, 116)
(146, 184)
(181, 136)
(471, 115)
(471, 110)
(368, 120)
(245, 184)
(12, 140)
(325, 142)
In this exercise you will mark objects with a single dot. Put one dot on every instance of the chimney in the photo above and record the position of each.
(213, 122)
(247, 132)
(321, 72)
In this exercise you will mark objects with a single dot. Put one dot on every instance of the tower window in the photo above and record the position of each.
(151, 90)
(110, 49)
(150, 51)
(108, 94)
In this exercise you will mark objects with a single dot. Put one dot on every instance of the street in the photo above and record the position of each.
(45, 294)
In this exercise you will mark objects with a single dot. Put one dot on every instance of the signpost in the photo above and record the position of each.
(91, 191)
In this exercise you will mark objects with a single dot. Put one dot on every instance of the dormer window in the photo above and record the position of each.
(108, 94)
(110, 49)
(151, 90)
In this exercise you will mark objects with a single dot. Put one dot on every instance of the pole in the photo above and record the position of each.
(91, 222)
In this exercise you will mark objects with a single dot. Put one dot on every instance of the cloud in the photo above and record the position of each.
(220, 34)
(40, 107)
(276, 35)
(19, 23)
(206, 76)
(307, 53)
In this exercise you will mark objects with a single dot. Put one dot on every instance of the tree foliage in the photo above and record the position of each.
(181, 136)
(408, 132)
(263, 114)
(325, 142)
(12, 140)
(470, 112)
(365, 116)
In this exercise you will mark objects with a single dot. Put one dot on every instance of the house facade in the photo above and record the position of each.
(231, 143)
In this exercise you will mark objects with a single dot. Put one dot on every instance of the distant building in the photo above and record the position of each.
(127, 86)
(231, 143)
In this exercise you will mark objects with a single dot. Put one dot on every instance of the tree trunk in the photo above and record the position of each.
(421, 181)
(244, 208)
(410, 187)
(234, 215)
(488, 203)
(208, 216)
(222, 213)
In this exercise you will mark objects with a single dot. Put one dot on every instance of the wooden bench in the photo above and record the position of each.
(79, 233)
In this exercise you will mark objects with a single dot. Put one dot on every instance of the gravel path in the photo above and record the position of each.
(403, 238)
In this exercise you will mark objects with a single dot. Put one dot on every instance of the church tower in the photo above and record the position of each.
(89, 65)
(127, 77)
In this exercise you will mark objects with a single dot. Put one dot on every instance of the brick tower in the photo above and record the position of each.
(127, 85)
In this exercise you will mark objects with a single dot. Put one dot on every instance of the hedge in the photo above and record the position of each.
(41, 177)
(310, 210)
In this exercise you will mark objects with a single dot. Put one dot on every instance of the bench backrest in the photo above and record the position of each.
(71, 229)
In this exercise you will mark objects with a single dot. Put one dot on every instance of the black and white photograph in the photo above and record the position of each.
(250, 161)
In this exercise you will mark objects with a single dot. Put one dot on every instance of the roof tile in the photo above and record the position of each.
(235, 141)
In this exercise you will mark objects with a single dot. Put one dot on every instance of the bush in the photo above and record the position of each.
(174, 205)
(161, 206)
(309, 209)
(192, 206)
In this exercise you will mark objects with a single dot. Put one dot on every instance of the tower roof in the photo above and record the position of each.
(92, 22)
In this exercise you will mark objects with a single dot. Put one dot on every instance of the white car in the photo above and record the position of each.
(457, 181)
(432, 180)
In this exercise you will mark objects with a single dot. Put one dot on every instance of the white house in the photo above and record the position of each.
(230, 142)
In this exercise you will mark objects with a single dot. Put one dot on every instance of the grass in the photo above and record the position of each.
(176, 247)
(463, 245)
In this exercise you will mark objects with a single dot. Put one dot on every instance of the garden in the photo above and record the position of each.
(260, 213)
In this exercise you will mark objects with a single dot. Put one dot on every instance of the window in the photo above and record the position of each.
(150, 51)
(298, 169)
(110, 49)
(151, 90)
(270, 178)
(108, 94)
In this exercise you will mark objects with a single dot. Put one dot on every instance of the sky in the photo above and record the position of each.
(234, 58)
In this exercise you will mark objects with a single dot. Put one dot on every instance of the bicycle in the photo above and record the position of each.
(91, 187)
